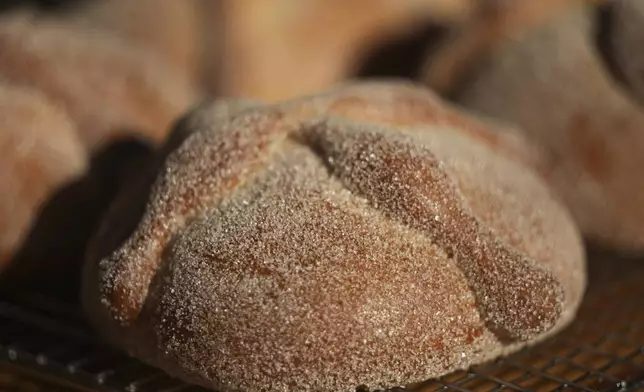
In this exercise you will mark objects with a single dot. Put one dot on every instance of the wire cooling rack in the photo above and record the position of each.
(45, 346)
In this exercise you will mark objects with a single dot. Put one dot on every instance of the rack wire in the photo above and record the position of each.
(46, 346)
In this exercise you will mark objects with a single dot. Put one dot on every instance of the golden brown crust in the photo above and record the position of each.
(39, 153)
(308, 246)
(588, 126)
(107, 88)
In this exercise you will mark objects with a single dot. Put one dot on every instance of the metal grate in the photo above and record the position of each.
(45, 346)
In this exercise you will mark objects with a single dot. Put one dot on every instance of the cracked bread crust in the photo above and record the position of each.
(370, 235)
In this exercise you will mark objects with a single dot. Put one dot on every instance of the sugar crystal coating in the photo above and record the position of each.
(306, 246)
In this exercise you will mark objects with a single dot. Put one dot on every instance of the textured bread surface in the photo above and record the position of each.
(369, 235)
(553, 83)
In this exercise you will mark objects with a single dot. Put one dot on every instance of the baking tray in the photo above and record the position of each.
(45, 345)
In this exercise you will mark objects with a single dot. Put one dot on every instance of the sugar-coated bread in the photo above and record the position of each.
(369, 235)
(39, 153)
(108, 88)
(553, 84)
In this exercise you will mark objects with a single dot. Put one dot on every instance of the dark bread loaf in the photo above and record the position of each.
(370, 235)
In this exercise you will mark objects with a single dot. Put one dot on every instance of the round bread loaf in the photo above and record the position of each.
(553, 83)
(39, 153)
(367, 236)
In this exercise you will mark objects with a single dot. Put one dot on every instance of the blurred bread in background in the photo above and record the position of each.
(554, 83)
(95, 101)
(107, 86)
(177, 31)
(39, 152)
(495, 22)
(281, 49)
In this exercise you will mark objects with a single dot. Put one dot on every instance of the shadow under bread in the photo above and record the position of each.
(50, 259)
